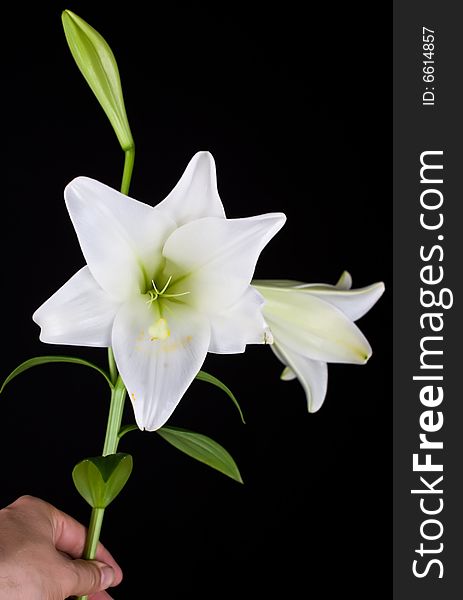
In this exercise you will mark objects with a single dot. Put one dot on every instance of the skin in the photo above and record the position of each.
(39, 550)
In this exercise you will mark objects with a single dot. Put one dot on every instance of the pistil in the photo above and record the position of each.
(160, 329)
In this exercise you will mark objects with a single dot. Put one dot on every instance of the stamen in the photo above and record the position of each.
(154, 294)
(268, 337)
(166, 286)
(176, 295)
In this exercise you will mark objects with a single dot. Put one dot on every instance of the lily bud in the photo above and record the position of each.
(97, 64)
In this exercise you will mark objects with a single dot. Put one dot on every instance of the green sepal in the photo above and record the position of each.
(100, 479)
(97, 64)
(203, 376)
(202, 448)
(43, 360)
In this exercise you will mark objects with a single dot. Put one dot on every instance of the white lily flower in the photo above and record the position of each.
(313, 324)
(163, 286)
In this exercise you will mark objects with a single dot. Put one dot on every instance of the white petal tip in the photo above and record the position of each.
(345, 281)
(287, 374)
(281, 217)
(366, 357)
(76, 182)
(205, 157)
(277, 220)
(376, 290)
(314, 407)
(154, 427)
(204, 153)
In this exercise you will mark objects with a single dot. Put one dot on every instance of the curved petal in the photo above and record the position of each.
(312, 375)
(243, 323)
(345, 281)
(120, 237)
(195, 196)
(288, 374)
(218, 257)
(277, 283)
(353, 303)
(157, 372)
(314, 328)
(80, 313)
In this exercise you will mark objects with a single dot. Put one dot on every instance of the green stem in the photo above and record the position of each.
(110, 447)
(114, 418)
(128, 168)
(116, 408)
(93, 536)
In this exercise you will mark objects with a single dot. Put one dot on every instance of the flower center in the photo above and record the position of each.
(159, 330)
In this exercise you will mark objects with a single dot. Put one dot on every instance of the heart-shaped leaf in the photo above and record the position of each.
(100, 479)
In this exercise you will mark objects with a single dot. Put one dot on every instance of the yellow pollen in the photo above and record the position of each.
(159, 331)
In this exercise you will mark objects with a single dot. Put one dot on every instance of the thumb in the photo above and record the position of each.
(90, 576)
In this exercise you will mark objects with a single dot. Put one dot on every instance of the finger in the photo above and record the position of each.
(86, 577)
(103, 555)
(69, 537)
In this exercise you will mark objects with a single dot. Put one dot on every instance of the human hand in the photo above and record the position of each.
(39, 550)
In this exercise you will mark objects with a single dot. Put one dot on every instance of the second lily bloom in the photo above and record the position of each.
(313, 324)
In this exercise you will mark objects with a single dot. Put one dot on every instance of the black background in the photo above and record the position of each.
(292, 107)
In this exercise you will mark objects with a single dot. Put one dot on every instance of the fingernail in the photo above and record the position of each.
(107, 576)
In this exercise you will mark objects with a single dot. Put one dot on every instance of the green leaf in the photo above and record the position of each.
(201, 448)
(42, 360)
(125, 429)
(203, 376)
(100, 479)
(97, 64)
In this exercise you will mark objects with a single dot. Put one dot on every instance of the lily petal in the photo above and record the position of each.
(120, 237)
(314, 328)
(345, 281)
(312, 374)
(219, 257)
(157, 372)
(241, 324)
(277, 283)
(80, 313)
(195, 196)
(353, 303)
(288, 374)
